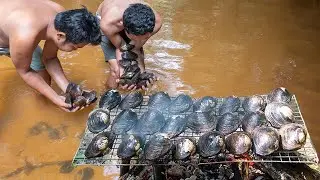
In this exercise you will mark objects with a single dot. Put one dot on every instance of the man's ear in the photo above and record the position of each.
(121, 23)
(61, 36)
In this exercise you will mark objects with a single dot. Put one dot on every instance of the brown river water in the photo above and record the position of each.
(208, 47)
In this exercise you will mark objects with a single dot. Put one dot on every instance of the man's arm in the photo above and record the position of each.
(53, 66)
(21, 50)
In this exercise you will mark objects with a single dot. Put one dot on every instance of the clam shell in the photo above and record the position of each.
(79, 101)
(125, 63)
(211, 143)
(184, 148)
(279, 114)
(91, 96)
(293, 136)
(110, 99)
(228, 123)
(254, 103)
(174, 126)
(180, 104)
(229, 105)
(132, 100)
(201, 121)
(265, 140)
(126, 47)
(101, 143)
(74, 90)
(280, 94)
(238, 143)
(149, 123)
(252, 120)
(146, 76)
(98, 120)
(129, 147)
(205, 104)
(159, 101)
(124, 121)
(129, 55)
(158, 146)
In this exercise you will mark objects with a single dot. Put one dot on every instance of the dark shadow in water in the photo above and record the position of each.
(85, 174)
(53, 133)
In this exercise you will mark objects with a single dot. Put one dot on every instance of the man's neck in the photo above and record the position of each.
(51, 30)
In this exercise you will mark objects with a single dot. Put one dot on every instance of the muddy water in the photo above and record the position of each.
(208, 47)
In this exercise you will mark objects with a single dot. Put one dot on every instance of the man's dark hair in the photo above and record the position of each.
(79, 25)
(138, 19)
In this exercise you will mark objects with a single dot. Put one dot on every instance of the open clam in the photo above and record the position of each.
(265, 140)
(279, 114)
(100, 144)
(211, 143)
(98, 120)
(293, 136)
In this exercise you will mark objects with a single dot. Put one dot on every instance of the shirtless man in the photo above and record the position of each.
(24, 23)
(125, 21)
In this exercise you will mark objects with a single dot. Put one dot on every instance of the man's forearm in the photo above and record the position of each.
(55, 70)
(34, 80)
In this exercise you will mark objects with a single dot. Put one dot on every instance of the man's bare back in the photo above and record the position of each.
(30, 16)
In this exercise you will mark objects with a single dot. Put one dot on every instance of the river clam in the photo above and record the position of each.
(211, 143)
(228, 123)
(99, 145)
(184, 148)
(160, 101)
(280, 94)
(205, 104)
(174, 126)
(129, 55)
(180, 104)
(98, 120)
(149, 123)
(124, 121)
(293, 136)
(254, 103)
(202, 121)
(131, 100)
(252, 120)
(265, 140)
(279, 114)
(238, 143)
(130, 146)
(110, 99)
(229, 105)
(158, 146)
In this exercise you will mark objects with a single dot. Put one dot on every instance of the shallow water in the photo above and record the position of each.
(208, 47)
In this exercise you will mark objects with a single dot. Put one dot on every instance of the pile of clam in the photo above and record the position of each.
(132, 74)
(77, 97)
(232, 125)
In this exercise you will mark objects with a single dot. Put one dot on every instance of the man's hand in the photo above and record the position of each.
(68, 107)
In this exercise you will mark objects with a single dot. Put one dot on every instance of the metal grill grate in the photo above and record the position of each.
(307, 154)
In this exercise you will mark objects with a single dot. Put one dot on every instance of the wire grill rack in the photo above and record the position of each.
(306, 154)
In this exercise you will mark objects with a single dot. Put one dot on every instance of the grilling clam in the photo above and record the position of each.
(280, 94)
(132, 100)
(228, 123)
(279, 114)
(252, 120)
(129, 147)
(174, 126)
(184, 148)
(265, 140)
(158, 146)
(159, 101)
(211, 143)
(293, 136)
(180, 104)
(205, 104)
(201, 121)
(110, 99)
(254, 104)
(238, 143)
(124, 121)
(149, 123)
(98, 120)
(229, 105)
(99, 145)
